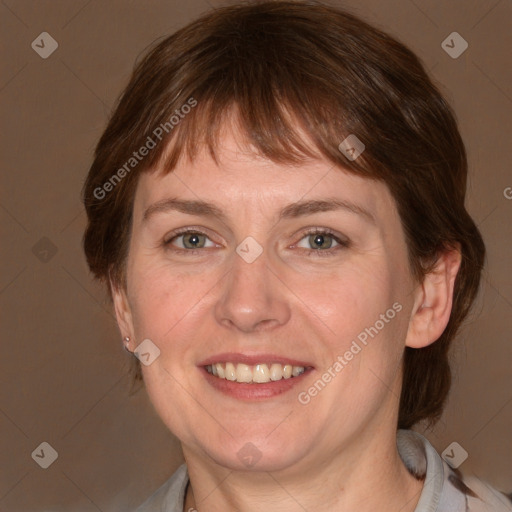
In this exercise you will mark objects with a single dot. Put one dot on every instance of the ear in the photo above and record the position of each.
(433, 301)
(122, 309)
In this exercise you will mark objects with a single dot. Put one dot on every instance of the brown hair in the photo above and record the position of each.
(301, 77)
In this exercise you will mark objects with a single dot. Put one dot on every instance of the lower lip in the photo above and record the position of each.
(248, 391)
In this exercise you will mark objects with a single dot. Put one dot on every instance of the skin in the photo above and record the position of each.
(338, 452)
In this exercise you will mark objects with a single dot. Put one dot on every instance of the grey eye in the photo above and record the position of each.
(318, 241)
(190, 240)
(193, 240)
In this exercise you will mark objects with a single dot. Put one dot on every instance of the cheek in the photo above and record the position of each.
(349, 299)
(363, 321)
(162, 300)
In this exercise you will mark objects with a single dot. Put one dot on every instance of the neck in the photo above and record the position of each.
(366, 475)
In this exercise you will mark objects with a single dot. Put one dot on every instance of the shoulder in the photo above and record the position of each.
(170, 496)
(480, 496)
(446, 489)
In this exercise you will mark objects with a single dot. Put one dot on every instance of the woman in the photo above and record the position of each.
(277, 208)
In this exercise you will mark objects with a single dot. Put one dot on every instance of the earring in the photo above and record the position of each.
(126, 342)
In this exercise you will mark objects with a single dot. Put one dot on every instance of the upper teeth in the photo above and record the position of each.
(259, 373)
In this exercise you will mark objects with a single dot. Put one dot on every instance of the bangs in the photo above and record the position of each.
(271, 119)
(280, 136)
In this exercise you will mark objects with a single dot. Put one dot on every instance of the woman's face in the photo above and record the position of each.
(302, 266)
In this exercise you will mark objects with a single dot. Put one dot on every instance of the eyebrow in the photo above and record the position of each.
(294, 210)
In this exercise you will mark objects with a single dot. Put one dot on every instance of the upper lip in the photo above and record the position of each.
(252, 359)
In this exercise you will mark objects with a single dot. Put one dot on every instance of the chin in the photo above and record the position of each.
(257, 453)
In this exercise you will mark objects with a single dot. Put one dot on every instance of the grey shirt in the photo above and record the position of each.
(444, 489)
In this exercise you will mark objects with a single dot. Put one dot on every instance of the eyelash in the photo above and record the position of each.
(342, 244)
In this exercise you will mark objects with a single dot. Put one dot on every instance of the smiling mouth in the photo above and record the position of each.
(254, 374)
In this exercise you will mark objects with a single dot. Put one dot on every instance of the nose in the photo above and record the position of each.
(252, 297)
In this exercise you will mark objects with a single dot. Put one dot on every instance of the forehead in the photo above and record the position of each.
(242, 178)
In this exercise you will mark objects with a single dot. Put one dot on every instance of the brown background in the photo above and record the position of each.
(64, 376)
